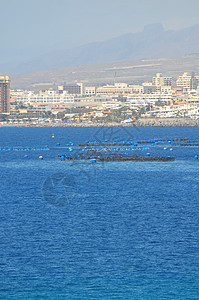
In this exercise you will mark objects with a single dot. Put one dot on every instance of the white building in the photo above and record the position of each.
(28, 97)
(187, 82)
(148, 98)
(90, 90)
(119, 88)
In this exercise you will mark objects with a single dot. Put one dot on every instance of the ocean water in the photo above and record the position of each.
(116, 230)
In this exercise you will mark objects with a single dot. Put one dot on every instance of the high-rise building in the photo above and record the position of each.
(187, 81)
(74, 89)
(4, 95)
(161, 80)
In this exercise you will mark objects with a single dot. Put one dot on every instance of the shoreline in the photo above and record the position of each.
(142, 122)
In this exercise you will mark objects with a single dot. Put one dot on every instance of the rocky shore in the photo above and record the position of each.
(142, 122)
(166, 122)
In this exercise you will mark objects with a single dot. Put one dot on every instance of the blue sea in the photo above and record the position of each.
(83, 230)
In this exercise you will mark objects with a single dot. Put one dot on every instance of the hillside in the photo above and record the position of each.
(134, 71)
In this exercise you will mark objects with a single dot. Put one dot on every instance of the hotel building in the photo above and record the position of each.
(4, 95)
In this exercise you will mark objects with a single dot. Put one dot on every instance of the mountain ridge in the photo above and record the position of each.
(152, 42)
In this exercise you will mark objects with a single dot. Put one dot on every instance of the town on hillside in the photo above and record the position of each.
(161, 102)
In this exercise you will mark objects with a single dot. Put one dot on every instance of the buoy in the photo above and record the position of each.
(171, 149)
(148, 154)
(40, 157)
(25, 155)
(196, 156)
(57, 144)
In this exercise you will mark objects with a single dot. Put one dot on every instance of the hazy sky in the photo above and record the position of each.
(43, 25)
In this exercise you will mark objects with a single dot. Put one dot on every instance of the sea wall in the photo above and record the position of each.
(142, 122)
(166, 122)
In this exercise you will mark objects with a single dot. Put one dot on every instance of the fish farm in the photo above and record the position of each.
(116, 158)
(43, 148)
(134, 150)
(126, 151)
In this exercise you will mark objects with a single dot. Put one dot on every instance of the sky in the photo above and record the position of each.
(34, 27)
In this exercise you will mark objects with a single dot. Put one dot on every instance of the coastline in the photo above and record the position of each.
(142, 122)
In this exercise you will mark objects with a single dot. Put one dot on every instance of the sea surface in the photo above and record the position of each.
(83, 230)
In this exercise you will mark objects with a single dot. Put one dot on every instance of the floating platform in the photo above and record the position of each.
(45, 148)
(189, 145)
(136, 158)
(104, 144)
(104, 158)
(174, 141)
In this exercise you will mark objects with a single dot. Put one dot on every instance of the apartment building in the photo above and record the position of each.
(161, 80)
(50, 96)
(73, 89)
(187, 81)
(90, 90)
(4, 95)
(148, 98)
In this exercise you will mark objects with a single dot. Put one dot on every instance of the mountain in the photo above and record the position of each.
(152, 42)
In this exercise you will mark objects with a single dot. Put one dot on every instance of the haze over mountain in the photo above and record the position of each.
(152, 42)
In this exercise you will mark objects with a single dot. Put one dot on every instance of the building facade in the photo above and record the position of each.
(28, 97)
(187, 81)
(119, 88)
(4, 95)
(161, 80)
(90, 90)
(73, 89)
